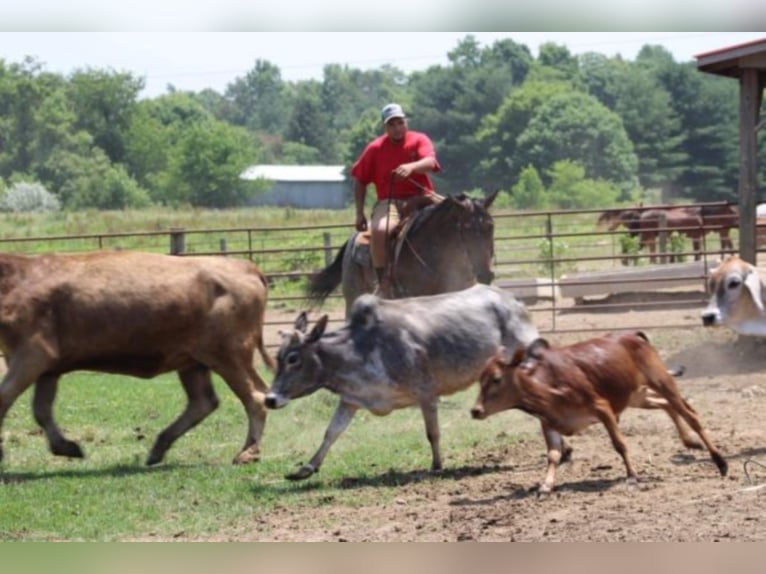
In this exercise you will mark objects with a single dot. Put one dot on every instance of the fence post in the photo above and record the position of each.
(222, 245)
(327, 248)
(177, 241)
(662, 226)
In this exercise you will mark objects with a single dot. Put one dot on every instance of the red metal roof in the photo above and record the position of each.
(731, 60)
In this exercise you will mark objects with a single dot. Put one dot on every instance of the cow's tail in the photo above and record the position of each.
(323, 283)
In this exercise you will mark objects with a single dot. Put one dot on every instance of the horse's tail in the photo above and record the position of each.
(323, 283)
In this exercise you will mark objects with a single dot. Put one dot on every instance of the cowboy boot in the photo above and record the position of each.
(384, 288)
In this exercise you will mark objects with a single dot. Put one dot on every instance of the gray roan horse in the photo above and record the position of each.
(445, 247)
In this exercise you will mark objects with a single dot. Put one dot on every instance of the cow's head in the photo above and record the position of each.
(498, 386)
(299, 369)
(736, 298)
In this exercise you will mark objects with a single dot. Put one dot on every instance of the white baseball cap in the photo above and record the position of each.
(390, 111)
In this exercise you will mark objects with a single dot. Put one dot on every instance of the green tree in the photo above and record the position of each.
(645, 107)
(103, 103)
(206, 164)
(156, 128)
(570, 189)
(309, 123)
(529, 192)
(449, 102)
(707, 108)
(499, 132)
(558, 58)
(575, 126)
(92, 181)
(258, 100)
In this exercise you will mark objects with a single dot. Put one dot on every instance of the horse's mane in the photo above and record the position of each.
(436, 213)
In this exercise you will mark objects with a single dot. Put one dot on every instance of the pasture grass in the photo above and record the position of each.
(197, 493)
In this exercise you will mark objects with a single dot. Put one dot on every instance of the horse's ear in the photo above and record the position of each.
(487, 201)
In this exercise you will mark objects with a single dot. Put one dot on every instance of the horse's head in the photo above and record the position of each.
(614, 218)
(477, 231)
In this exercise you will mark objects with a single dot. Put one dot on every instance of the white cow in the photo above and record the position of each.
(736, 298)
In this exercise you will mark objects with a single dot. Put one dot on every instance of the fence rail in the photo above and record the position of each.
(557, 261)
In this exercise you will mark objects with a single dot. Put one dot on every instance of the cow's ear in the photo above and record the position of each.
(518, 357)
(753, 284)
(318, 329)
(536, 347)
(301, 322)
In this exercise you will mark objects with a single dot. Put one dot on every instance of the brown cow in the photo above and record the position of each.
(137, 314)
(572, 387)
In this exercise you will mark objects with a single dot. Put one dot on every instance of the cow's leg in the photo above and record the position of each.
(668, 389)
(340, 421)
(649, 399)
(251, 391)
(555, 447)
(431, 418)
(607, 417)
(24, 368)
(42, 407)
(201, 402)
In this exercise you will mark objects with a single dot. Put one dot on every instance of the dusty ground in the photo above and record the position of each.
(680, 496)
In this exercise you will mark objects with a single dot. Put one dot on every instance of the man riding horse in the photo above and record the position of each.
(397, 163)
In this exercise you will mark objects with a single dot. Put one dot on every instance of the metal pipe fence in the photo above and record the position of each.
(559, 262)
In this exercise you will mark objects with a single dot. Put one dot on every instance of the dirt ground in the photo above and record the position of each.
(680, 495)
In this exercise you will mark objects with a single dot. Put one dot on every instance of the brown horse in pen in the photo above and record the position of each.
(721, 218)
(692, 222)
(653, 222)
(444, 247)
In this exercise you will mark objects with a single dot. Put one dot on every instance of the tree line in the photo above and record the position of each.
(556, 130)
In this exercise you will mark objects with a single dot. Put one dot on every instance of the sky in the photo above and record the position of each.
(195, 60)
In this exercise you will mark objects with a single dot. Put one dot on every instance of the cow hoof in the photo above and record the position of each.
(723, 466)
(302, 473)
(544, 492)
(67, 448)
(632, 481)
(154, 459)
(247, 456)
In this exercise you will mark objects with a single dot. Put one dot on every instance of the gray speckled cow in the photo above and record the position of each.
(398, 353)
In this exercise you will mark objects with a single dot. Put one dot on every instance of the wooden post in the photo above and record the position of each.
(222, 245)
(662, 236)
(327, 248)
(750, 88)
(177, 241)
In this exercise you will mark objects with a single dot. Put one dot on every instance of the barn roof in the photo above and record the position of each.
(732, 60)
(327, 173)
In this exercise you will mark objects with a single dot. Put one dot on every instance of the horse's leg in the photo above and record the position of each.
(356, 279)
(651, 243)
(726, 242)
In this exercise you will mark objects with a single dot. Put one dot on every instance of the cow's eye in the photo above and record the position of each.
(733, 283)
(292, 358)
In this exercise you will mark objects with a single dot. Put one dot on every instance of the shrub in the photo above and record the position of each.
(28, 197)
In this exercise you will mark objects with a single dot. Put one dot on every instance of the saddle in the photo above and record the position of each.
(360, 250)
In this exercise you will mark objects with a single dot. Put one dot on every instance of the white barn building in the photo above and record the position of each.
(302, 186)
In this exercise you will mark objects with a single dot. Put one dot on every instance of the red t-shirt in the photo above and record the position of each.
(382, 156)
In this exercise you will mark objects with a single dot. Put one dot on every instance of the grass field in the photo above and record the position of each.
(197, 492)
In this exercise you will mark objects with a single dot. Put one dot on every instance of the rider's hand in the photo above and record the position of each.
(403, 171)
(361, 223)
